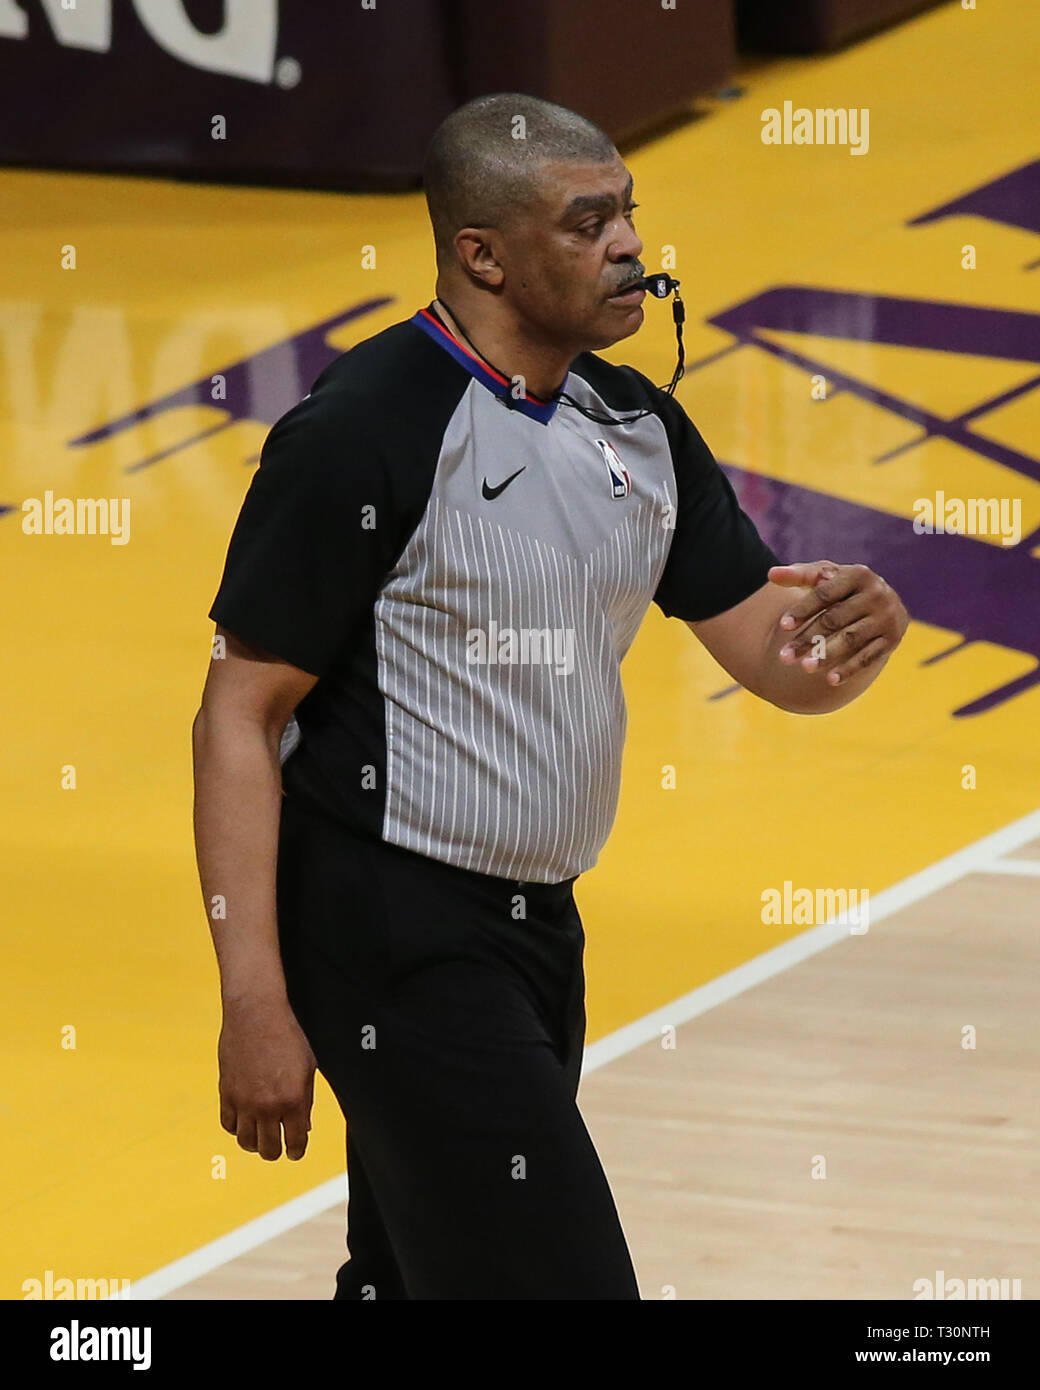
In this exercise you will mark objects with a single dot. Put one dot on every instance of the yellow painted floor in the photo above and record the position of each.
(110, 1143)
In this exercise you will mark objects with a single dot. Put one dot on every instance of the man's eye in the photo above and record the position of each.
(595, 228)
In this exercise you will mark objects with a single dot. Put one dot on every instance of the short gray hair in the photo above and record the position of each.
(477, 171)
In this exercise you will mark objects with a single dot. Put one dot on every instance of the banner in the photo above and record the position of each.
(325, 95)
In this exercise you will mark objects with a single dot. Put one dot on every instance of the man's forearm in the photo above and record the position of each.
(238, 795)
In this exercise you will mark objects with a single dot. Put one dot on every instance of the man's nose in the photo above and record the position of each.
(627, 244)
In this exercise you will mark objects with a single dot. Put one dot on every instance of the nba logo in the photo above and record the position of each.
(620, 482)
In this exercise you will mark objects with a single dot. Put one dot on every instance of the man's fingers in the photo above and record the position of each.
(228, 1116)
(275, 1092)
(840, 647)
(296, 1123)
(832, 623)
(804, 572)
(269, 1134)
(262, 1132)
(807, 573)
(864, 657)
(829, 582)
(247, 1132)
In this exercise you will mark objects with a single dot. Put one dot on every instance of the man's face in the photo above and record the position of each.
(570, 251)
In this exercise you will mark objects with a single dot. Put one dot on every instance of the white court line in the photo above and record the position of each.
(981, 857)
(1027, 868)
(248, 1237)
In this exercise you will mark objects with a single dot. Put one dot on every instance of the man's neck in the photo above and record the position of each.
(543, 368)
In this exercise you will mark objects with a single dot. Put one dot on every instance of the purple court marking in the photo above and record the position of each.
(984, 592)
(261, 387)
(1013, 199)
(919, 323)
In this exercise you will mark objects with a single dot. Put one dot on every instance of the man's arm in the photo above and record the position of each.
(266, 1064)
(812, 639)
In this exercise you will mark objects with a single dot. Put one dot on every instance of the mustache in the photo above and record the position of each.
(632, 280)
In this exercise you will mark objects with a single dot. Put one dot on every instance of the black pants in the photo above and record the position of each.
(450, 1029)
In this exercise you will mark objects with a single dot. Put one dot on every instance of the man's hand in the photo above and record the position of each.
(266, 1077)
(759, 642)
(859, 618)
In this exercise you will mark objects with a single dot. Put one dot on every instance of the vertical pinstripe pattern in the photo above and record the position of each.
(513, 768)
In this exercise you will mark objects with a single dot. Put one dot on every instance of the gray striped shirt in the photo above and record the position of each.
(465, 572)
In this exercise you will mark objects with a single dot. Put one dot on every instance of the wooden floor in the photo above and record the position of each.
(853, 1057)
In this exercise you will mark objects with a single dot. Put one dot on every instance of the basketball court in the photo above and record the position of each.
(796, 1109)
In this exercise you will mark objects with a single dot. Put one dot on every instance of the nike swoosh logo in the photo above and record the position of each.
(492, 492)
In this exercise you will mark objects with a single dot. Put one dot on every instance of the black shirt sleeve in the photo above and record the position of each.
(717, 558)
(319, 530)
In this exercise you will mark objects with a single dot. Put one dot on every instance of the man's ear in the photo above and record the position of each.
(474, 248)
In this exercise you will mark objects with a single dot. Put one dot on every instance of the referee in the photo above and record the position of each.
(410, 745)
